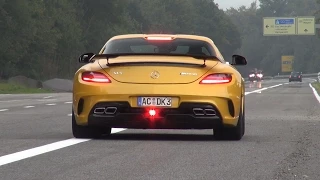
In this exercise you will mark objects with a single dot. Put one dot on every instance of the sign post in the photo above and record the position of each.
(281, 26)
(306, 26)
(286, 62)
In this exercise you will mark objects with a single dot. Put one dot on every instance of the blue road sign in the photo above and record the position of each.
(284, 21)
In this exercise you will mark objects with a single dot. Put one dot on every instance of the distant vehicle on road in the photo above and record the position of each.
(252, 76)
(259, 75)
(256, 75)
(295, 76)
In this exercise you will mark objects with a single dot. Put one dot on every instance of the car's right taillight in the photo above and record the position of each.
(96, 77)
(219, 78)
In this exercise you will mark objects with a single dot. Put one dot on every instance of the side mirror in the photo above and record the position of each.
(85, 58)
(238, 60)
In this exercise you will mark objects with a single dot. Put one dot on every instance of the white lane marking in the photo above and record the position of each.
(69, 102)
(39, 150)
(60, 144)
(28, 107)
(47, 97)
(2, 110)
(12, 100)
(46, 100)
(265, 88)
(44, 149)
(315, 92)
(53, 104)
(69, 114)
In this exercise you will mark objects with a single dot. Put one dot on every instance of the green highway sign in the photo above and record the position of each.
(280, 26)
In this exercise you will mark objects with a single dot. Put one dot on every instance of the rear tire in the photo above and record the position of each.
(87, 131)
(232, 133)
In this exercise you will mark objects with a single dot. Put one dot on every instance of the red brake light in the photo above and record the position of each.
(95, 77)
(159, 38)
(216, 79)
(152, 112)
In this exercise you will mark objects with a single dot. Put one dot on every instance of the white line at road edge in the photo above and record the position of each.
(2, 110)
(315, 92)
(44, 149)
(69, 142)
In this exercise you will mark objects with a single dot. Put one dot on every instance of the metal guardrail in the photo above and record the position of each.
(314, 75)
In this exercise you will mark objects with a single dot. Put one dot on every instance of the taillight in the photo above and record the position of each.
(95, 77)
(216, 79)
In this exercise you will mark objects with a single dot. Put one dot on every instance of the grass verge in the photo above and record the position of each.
(6, 88)
(316, 85)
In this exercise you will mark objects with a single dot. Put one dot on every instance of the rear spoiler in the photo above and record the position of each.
(91, 56)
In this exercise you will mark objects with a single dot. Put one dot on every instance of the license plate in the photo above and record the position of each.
(155, 101)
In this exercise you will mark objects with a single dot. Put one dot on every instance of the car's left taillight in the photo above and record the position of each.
(96, 77)
(219, 78)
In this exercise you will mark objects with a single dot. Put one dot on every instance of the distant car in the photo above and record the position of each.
(295, 76)
(259, 76)
(252, 77)
(142, 81)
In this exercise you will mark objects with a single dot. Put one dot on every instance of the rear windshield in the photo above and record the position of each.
(176, 46)
(295, 73)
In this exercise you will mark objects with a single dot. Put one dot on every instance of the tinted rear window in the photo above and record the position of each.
(177, 46)
(295, 73)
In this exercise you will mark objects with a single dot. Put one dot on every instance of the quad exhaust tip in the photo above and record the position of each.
(99, 110)
(110, 110)
(107, 110)
(204, 112)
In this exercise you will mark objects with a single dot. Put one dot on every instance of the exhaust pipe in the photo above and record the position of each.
(210, 112)
(99, 110)
(110, 110)
(198, 111)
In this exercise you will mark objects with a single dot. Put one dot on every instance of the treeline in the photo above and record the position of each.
(265, 52)
(42, 39)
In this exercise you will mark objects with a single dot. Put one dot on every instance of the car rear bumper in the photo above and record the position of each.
(186, 116)
(295, 79)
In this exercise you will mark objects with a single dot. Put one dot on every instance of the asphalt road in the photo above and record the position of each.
(282, 141)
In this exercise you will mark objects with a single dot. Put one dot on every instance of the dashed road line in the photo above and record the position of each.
(27, 107)
(265, 88)
(52, 104)
(2, 110)
(69, 102)
(69, 114)
(47, 97)
(45, 149)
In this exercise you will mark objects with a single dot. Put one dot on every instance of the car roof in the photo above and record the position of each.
(186, 36)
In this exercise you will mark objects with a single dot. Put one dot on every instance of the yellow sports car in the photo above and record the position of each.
(158, 81)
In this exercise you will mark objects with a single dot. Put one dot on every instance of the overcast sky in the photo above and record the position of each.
(223, 4)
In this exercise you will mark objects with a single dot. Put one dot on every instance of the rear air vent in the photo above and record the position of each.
(231, 108)
(80, 106)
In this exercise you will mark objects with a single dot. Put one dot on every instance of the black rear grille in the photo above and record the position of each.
(184, 108)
